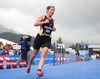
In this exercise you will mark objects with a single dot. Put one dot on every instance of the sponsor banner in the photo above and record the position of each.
(62, 58)
(16, 46)
(7, 58)
(8, 64)
(84, 53)
(48, 59)
(14, 63)
(45, 58)
(22, 63)
(1, 58)
(11, 63)
(58, 58)
(14, 57)
(1, 64)
(61, 45)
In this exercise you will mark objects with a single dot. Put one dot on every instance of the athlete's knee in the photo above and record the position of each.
(34, 54)
(43, 55)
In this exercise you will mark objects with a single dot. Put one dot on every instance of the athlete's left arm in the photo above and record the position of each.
(54, 28)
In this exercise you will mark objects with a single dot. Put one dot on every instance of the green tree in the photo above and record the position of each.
(59, 41)
(76, 47)
(72, 46)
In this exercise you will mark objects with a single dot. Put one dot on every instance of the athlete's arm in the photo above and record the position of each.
(54, 28)
(40, 21)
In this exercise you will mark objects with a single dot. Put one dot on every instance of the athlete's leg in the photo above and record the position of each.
(43, 55)
(31, 59)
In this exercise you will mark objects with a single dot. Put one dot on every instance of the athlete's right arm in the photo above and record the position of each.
(40, 21)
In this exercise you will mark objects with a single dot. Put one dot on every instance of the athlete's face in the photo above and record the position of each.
(51, 11)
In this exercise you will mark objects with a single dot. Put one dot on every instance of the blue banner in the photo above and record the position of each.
(82, 44)
(84, 53)
(1, 51)
(14, 57)
(48, 59)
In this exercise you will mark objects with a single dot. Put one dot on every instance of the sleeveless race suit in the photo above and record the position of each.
(43, 38)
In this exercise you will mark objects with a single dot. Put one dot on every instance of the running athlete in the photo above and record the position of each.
(43, 38)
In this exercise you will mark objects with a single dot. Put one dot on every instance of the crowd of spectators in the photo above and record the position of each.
(8, 50)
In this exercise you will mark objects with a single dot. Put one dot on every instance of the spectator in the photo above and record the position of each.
(11, 52)
(15, 52)
(23, 48)
(7, 51)
(77, 55)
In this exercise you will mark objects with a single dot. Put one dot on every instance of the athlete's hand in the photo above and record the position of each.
(46, 21)
(54, 29)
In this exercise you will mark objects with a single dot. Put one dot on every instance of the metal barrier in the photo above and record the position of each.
(61, 58)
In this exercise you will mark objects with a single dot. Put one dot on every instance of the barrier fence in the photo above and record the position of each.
(61, 56)
(56, 58)
(48, 60)
(11, 63)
